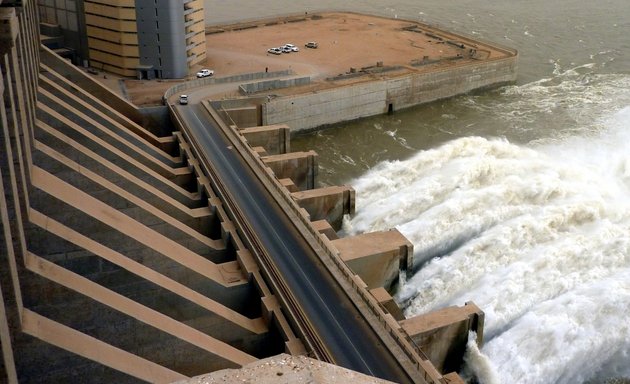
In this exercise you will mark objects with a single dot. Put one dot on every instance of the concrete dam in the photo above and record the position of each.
(136, 249)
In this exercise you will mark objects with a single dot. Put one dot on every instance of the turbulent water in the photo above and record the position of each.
(536, 234)
(538, 237)
(517, 199)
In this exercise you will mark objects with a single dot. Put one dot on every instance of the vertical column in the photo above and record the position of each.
(19, 41)
(8, 277)
(10, 296)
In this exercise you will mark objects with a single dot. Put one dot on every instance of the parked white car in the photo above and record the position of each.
(205, 73)
(275, 51)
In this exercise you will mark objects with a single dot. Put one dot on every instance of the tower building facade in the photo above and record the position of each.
(143, 38)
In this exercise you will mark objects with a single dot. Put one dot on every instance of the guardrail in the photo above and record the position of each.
(180, 88)
(420, 361)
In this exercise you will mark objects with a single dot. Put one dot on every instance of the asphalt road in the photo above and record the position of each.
(350, 340)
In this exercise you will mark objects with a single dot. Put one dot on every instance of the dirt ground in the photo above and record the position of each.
(346, 40)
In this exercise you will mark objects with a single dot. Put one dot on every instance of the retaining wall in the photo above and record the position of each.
(268, 85)
(319, 108)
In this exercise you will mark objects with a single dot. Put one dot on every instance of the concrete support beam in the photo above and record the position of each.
(442, 335)
(150, 238)
(51, 78)
(105, 139)
(376, 257)
(300, 167)
(272, 313)
(8, 28)
(69, 339)
(275, 139)
(97, 89)
(330, 203)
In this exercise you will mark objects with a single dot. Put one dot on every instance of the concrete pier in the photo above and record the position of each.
(330, 203)
(244, 116)
(300, 167)
(442, 335)
(376, 257)
(275, 139)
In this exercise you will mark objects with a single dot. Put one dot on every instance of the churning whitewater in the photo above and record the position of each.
(538, 236)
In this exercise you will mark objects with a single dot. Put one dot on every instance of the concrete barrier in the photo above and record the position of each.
(268, 85)
(182, 87)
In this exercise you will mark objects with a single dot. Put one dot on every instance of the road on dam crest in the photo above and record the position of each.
(351, 341)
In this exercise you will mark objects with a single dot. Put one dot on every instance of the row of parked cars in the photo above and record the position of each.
(288, 48)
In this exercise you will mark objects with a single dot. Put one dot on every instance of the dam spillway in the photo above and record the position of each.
(127, 262)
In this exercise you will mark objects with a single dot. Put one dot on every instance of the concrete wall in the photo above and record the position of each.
(167, 53)
(90, 289)
(309, 111)
(275, 138)
(261, 86)
(242, 117)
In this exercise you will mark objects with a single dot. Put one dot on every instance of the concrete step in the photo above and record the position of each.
(112, 168)
(109, 124)
(185, 227)
(178, 347)
(92, 134)
(97, 256)
(161, 138)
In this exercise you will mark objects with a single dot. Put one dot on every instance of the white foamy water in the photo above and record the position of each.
(538, 236)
